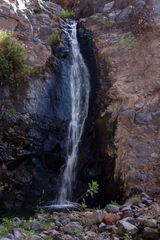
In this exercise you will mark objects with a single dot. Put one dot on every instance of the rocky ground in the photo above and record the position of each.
(138, 218)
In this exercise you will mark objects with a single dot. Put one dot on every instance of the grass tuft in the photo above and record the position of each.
(65, 14)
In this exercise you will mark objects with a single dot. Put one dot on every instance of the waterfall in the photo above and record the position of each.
(79, 91)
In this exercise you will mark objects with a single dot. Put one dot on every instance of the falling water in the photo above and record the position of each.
(80, 88)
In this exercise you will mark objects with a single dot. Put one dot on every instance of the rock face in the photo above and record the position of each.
(126, 38)
(120, 43)
(32, 121)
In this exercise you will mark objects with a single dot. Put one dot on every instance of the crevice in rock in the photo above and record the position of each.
(97, 150)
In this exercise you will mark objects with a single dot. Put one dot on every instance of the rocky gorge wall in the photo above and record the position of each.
(32, 119)
(35, 112)
(126, 38)
(120, 146)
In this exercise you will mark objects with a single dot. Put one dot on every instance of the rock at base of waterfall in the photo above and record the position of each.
(126, 227)
(92, 218)
(111, 218)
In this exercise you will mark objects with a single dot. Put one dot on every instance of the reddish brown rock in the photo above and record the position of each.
(111, 218)
(127, 56)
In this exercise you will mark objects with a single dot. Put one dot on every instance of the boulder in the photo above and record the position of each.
(150, 233)
(110, 208)
(36, 226)
(92, 218)
(111, 218)
(146, 222)
(126, 227)
(73, 228)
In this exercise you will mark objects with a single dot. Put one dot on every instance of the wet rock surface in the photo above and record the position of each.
(87, 225)
(33, 129)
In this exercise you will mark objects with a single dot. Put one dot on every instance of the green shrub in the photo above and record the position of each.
(3, 231)
(6, 226)
(65, 14)
(55, 38)
(12, 57)
(129, 41)
(5, 68)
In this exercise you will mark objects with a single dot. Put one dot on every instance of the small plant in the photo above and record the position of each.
(93, 188)
(127, 237)
(29, 234)
(136, 199)
(65, 14)
(12, 57)
(26, 225)
(83, 204)
(129, 41)
(39, 209)
(79, 232)
(94, 17)
(6, 226)
(3, 186)
(55, 38)
(48, 224)
(3, 231)
(114, 203)
(107, 24)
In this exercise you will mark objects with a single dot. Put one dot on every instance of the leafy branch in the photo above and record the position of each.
(93, 188)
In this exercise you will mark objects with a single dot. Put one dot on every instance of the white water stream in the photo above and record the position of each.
(80, 89)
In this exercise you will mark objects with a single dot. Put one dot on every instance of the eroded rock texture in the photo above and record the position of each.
(32, 127)
(126, 36)
(120, 147)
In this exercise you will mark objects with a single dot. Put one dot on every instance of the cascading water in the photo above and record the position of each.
(79, 93)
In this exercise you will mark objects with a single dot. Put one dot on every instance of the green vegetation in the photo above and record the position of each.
(3, 231)
(136, 199)
(79, 233)
(55, 38)
(39, 209)
(129, 41)
(3, 186)
(6, 226)
(107, 24)
(127, 237)
(94, 17)
(65, 14)
(93, 188)
(12, 58)
(114, 203)
(29, 234)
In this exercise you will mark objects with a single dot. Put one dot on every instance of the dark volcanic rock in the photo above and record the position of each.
(33, 119)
